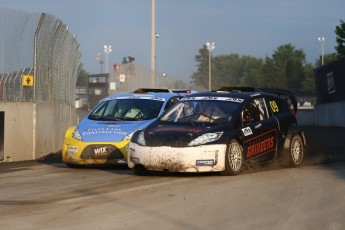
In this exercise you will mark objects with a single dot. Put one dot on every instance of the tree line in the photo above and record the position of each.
(286, 68)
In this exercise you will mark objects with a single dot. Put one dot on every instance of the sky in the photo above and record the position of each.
(245, 27)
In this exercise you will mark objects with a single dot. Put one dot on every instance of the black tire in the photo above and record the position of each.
(140, 170)
(75, 166)
(233, 159)
(294, 155)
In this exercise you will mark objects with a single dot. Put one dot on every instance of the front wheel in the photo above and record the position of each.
(74, 165)
(293, 156)
(140, 170)
(233, 159)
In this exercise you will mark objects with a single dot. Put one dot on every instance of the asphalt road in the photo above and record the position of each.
(47, 195)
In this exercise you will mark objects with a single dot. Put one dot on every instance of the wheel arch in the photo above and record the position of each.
(293, 129)
(228, 170)
(69, 132)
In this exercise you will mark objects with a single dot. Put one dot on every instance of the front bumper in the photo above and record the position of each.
(204, 158)
(89, 153)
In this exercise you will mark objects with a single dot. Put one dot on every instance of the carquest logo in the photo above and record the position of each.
(209, 162)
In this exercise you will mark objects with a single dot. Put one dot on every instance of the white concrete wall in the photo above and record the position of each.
(331, 114)
(305, 116)
(52, 120)
(34, 130)
(18, 131)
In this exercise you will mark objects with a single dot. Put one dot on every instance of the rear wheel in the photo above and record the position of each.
(293, 156)
(233, 159)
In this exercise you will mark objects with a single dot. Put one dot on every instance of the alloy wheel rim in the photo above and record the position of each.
(235, 156)
(297, 150)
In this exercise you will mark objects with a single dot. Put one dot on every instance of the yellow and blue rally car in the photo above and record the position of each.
(102, 136)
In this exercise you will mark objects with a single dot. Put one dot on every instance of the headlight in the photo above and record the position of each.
(141, 139)
(205, 138)
(76, 134)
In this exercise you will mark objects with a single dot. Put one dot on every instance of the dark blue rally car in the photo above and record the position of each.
(221, 132)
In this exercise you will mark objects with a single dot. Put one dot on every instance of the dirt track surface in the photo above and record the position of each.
(46, 194)
(325, 144)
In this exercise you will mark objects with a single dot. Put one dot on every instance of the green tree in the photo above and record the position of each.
(200, 77)
(268, 78)
(226, 71)
(307, 85)
(340, 32)
(179, 84)
(327, 59)
(252, 71)
(286, 68)
(289, 64)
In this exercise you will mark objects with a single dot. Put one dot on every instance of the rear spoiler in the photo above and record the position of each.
(152, 90)
(282, 93)
(181, 92)
(237, 89)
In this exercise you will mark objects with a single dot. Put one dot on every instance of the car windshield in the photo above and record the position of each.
(201, 111)
(127, 109)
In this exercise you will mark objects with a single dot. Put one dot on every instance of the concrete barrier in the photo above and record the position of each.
(34, 130)
(330, 114)
(305, 116)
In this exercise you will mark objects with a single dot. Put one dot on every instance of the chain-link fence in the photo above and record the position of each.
(39, 58)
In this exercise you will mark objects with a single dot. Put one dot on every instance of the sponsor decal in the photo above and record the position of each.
(237, 100)
(330, 83)
(108, 130)
(205, 162)
(262, 144)
(258, 126)
(141, 97)
(72, 149)
(247, 131)
(100, 151)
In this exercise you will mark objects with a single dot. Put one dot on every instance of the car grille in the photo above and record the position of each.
(173, 141)
(109, 152)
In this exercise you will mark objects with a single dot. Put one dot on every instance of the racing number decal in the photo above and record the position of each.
(274, 107)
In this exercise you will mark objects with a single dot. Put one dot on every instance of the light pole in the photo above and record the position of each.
(322, 40)
(210, 46)
(165, 77)
(100, 60)
(107, 50)
(156, 36)
(153, 45)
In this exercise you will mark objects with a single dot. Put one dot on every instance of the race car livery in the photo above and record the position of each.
(220, 132)
(102, 136)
